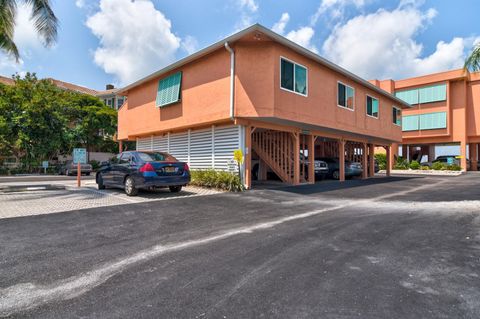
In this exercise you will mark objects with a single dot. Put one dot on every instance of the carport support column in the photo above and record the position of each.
(364, 161)
(311, 159)
(341, 160)
(389, 162)
(463, 155)
(296, 159)
(248, 156)
(473, 156)
(371, 158)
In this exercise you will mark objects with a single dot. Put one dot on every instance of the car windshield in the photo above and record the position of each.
(156, 157)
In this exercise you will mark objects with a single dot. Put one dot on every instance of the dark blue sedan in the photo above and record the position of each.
(138, 169)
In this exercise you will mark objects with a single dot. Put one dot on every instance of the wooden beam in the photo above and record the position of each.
(371, 158)
(389, 162)
(341, 160)
(248, 157)
(365, 160)
(296, 159)
(311, 159)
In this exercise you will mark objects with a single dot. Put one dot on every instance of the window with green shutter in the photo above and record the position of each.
(409, 96)
(169, 90)
(434, 93)
(410, 123)
(372, 106)
(431, 121)
(427, 94)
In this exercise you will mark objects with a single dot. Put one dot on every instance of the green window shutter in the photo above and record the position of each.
(433, 93)
(409, 96)
(410, 123)
(431, 121)
(169, 89)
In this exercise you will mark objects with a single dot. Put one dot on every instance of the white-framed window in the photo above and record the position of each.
(372, 106)
(293, 77)
(396, 116)
(345, 96)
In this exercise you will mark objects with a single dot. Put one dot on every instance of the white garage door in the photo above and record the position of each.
(201, 149)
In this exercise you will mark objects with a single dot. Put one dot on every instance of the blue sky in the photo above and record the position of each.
(119, 41)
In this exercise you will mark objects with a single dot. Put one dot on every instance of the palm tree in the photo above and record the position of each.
(472, 63)
(44, 19)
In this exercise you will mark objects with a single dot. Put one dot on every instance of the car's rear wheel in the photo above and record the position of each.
(100, 182)
(130, 188)
(336, 175)
(175, 189)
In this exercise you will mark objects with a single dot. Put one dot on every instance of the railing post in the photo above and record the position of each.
(248, 157)
(296, 159)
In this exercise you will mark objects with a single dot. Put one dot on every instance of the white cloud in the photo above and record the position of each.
(249, 4)
(335, 8)
(27, 41)
(302, 36)
(135, 38)
(80, 3)
(383, 45)
(190, 44)
(279, 27)
(248, 13)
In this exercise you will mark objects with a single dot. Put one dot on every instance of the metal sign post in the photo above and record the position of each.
(79, 157)
(45, 166)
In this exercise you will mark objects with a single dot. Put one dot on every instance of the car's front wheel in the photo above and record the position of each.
(175, 189)
(100, 182)
(130, 188)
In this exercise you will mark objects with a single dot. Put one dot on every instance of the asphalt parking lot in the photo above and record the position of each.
(395, 247)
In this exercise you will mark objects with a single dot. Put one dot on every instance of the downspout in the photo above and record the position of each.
(232, 80)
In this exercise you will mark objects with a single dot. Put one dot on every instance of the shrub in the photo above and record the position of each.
(438, 166)
(4, 171)
(95, 164)
(414, 165)
(425, 168)
(401, 164)
(381, 160)
(453, 167)
(216, 179)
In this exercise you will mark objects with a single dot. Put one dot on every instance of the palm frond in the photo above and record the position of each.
(8, 9)
(472, 63)
(45, 21)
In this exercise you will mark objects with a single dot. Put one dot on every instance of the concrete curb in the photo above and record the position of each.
(28, 188)
(424, 173)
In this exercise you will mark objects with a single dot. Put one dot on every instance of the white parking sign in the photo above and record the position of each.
(80, 155)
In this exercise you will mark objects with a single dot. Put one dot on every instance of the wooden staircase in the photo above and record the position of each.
(276, 149)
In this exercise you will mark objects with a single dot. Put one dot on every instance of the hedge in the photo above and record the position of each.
(216, 179)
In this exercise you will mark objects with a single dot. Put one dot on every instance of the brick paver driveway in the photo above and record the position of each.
(17, 204)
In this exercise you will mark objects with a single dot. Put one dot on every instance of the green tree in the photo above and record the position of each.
(39, 121)
(43, 17)
(472, 63)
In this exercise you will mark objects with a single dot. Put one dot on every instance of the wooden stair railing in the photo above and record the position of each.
(276, 149)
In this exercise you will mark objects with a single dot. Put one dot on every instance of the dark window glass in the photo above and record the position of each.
(286, 71)
(125, 158)
(156, 157)
(341, 95)
(300, 79)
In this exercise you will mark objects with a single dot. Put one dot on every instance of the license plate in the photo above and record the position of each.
(170, 169)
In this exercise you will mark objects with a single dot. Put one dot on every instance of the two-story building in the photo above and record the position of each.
(445, 111)
(259, 92)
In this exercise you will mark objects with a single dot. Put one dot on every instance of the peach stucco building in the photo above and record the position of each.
(445, 111)
(261, 93)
